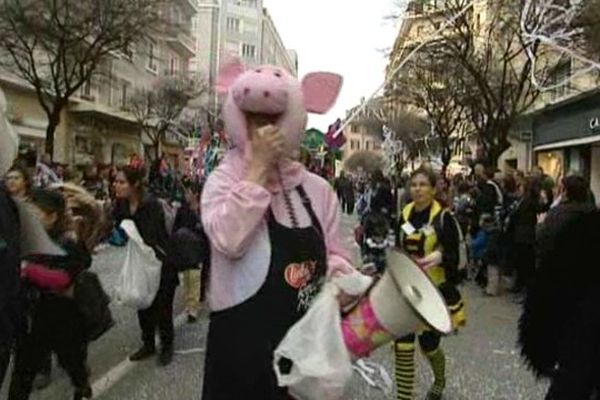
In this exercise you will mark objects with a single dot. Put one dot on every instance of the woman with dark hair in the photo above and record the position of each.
(574, 201)
(428, 233)
(519, 232)
(56, 323)
(18, 182)
(147, 214)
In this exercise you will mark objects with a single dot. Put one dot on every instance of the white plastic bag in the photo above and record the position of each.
(140, 276)
(321, 363)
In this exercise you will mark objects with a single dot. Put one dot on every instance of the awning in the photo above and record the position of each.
(568, 143)
(30, 132)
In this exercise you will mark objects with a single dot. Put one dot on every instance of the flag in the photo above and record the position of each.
(335, 142)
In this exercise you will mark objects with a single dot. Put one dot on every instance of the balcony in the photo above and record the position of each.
(191, 6)
(182, 43)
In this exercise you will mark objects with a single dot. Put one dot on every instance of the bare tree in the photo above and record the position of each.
(161, 109)
(412, 130)
(430, 83)
(493, 64)
(588, 21)
(367, 160)
(56, 45)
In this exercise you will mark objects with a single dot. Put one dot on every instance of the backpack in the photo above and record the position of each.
(463, 254)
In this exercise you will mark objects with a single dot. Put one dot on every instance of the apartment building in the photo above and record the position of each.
(237, 28)
(97, 127)
(360, 134)
(565, 125)
(423, 18)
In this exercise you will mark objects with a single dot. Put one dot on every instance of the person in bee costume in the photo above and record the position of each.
(429, 234)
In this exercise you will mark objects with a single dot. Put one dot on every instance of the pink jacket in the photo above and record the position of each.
(234, 210)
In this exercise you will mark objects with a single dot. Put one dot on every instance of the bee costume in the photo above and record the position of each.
(420, 234)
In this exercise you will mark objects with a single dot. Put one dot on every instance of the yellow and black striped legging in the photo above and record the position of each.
(429, 342)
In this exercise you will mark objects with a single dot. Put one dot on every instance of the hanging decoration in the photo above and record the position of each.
(553, 24)
(392, 150)
(209, 152)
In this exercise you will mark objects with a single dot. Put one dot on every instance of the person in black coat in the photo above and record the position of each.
(574, 202)
(520, 232)
(382, 200)
(9, 277)
(558, 329)
(149, 218)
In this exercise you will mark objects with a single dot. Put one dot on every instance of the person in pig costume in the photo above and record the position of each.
(273, 228)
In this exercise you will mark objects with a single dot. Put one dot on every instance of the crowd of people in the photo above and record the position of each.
(57, 310)
(512, 225)
(267, 232)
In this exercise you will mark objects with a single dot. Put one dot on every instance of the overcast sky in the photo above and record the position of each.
(343, 36)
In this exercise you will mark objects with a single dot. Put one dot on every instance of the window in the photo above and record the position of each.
(174, 66)
(248, 51)
(367, 145)
(87, 88)
(129, 51)
(234, 24)
(245, 3)
(124, 94)
(559, 78)
(419, 31)
(152, 57)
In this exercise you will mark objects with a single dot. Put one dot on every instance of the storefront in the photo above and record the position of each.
(566, 138)
(102, 139)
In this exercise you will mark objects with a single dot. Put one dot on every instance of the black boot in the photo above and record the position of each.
(166, 356)
(143, 353)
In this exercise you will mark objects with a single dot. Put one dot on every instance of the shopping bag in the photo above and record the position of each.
(140, 276)
(312, 360)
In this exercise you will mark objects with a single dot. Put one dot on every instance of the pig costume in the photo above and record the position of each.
(271, 247)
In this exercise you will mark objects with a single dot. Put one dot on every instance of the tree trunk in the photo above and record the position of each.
(495, 151)
(157, 150)
(50, 134)
(53, 122)
(49, 145)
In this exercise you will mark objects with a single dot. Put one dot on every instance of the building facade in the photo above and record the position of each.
(362, 134)
(96, 126)
(237, 29)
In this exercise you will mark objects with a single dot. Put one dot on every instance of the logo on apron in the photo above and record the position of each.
(298, 275)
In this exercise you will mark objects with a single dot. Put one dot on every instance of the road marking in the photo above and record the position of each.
(186, 352)
(109, 379)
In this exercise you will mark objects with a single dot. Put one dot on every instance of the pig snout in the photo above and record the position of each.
(262, 92)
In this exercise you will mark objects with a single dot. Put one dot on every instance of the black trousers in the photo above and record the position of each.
(347, 205)
(159, 315)
(56, 326)
(4, 361)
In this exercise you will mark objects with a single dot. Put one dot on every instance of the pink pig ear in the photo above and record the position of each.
(228, 73)
(321, 90)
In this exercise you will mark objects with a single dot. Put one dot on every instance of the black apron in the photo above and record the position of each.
(241, 340)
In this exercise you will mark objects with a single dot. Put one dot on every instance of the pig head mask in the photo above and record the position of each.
(272, 91)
